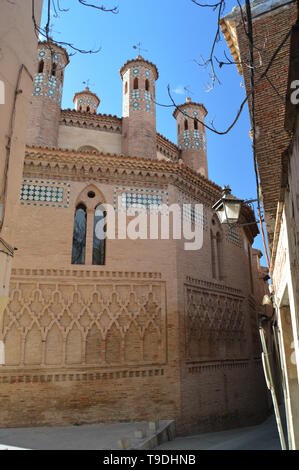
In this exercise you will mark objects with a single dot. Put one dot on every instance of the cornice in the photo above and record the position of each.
(101, 122)
(139, 60)
(189, 104)
(167, 148)
(74, 165)
(228, 29)
(86, 92)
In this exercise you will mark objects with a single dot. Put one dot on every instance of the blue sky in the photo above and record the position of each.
(174, 34)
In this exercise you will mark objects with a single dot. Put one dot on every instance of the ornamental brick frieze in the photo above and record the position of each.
(214, 322)
(72, 318)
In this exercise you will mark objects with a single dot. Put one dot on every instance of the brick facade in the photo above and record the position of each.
(156, 332)
(139, 108)
(192, 139)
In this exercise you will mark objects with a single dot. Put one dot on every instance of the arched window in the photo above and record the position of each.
(195, 125)
(80, 108)
(147, 85)
(41, 66)
(179, 128)
(136, 84)
(186, 124)
(79, 235)
(88, 109)
(126, 88)
(54, 69)
(219, 255)
(87, 148)
(250, 268)
(99, 237)
(213, 256)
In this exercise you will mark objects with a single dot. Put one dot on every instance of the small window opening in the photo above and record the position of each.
(186, 124)
(195, 125)
(41, 66)
(54, 69)
(147, 85)
(136, 84)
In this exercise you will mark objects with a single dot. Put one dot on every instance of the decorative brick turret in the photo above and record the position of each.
(86, 101)
(192, 135)
(139, 109)
(47, 94)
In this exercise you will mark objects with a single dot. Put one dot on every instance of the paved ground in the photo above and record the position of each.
(262, 437)
(106, 436)
(90, 437)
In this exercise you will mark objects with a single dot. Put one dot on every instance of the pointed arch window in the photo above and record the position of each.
(186, 125)
(147, 85)
(99, 237)
(41, 66)
(219, 255)
(136, 84)
(89, 237)
(79, 235)
(213, 256)
(195, 125)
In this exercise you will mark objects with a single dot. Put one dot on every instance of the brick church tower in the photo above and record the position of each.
(139, 110)
(47, 94)
(192, 135)
(86, 101)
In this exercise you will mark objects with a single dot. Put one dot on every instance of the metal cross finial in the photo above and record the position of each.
(139, 48)
(87, 83)
(187, 90)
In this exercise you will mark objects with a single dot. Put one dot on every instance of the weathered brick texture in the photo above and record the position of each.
(269, 31)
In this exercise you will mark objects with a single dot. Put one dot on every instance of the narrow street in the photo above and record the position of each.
(261, 437)
(106, 436)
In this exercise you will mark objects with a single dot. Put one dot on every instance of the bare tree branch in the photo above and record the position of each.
(44, 32)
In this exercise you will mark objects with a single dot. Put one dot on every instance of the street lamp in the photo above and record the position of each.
(228, 208)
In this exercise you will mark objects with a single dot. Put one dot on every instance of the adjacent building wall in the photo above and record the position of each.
(17, 65)
(271, 22)
(277, 154)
